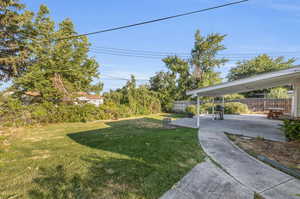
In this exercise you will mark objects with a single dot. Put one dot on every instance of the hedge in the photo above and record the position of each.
(291, 129)
(230, 108)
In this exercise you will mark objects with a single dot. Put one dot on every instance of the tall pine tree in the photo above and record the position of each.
(13, 31)
(204, 55)
(59, 67)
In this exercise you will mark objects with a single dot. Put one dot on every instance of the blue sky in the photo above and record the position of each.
(257, 26)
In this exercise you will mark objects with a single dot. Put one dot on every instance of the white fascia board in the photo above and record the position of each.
(295, 71)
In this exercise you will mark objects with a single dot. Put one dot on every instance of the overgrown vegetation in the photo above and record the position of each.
(291, 129)
(125, 102)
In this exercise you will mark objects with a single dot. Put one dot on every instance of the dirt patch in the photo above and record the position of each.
(40, 154)
(286, 153)
(33, 139)
(44, 156)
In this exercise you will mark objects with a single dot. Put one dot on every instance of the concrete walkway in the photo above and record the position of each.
(241, 174)
(208, 181)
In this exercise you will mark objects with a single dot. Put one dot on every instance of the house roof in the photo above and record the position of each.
(89, 96)
(32, 93)
(94, 96)
(257, 82)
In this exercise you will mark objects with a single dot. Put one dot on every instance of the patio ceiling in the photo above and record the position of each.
(257, 82)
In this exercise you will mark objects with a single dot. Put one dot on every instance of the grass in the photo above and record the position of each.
(134, 158)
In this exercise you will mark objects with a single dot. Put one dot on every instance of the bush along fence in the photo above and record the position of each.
(230, 108)
(254, 104)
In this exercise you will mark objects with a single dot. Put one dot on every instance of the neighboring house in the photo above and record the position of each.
(81, 98)
(84, 97)
(7, 94)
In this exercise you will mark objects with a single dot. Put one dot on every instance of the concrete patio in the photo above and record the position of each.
(233, 173)
(251, 125)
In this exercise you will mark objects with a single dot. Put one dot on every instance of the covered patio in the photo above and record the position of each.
(285, 77)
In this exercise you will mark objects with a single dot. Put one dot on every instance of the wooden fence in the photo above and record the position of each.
(254, 104)
(180, 106)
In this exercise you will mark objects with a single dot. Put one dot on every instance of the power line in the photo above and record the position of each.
(150, 56)
(109, 77)
(134, 50)
(127, 55)
(154, 20)
(160, 53)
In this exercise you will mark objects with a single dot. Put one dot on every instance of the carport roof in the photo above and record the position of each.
(257, 82)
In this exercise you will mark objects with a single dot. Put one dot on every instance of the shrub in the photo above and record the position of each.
(12, 113)
(168, 107)
(125, 102)
(206, 108)
(191, 110)
(235, 108)
(291, 129)
(230, 108)
(278, 93)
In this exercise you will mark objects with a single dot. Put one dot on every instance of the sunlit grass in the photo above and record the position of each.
(135, 158)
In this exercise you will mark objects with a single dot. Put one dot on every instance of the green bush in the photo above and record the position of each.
(291, 129)
(235, 108)
(230, 108)
(206, 108)
(13, 113)
(191, 110)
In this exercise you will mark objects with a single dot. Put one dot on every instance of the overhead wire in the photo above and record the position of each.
(154, 20)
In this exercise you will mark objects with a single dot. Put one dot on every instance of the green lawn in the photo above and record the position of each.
(134, 158)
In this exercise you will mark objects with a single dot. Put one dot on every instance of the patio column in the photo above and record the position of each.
(198, 111)
(213, 108)
(296, 99)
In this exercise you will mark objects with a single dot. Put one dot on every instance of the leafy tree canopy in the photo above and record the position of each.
(260, 64)
(136, 100)
(278, 93)
(183, 75)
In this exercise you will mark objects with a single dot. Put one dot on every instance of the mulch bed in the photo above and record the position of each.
(286, 153)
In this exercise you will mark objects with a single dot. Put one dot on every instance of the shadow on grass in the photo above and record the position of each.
(135, 159)
(54, 183)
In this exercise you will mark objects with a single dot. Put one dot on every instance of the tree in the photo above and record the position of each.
(183, 75)
(13, 31)
(204, 54)
(59, 67)
(164, 83)
(133, 100)
(179, 69)
(260, 64)
(278, 93)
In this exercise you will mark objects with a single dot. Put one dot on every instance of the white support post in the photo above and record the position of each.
(296, 99)
(198, 112)
(213, 108)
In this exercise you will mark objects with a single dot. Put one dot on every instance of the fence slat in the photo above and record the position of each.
(254, 104)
